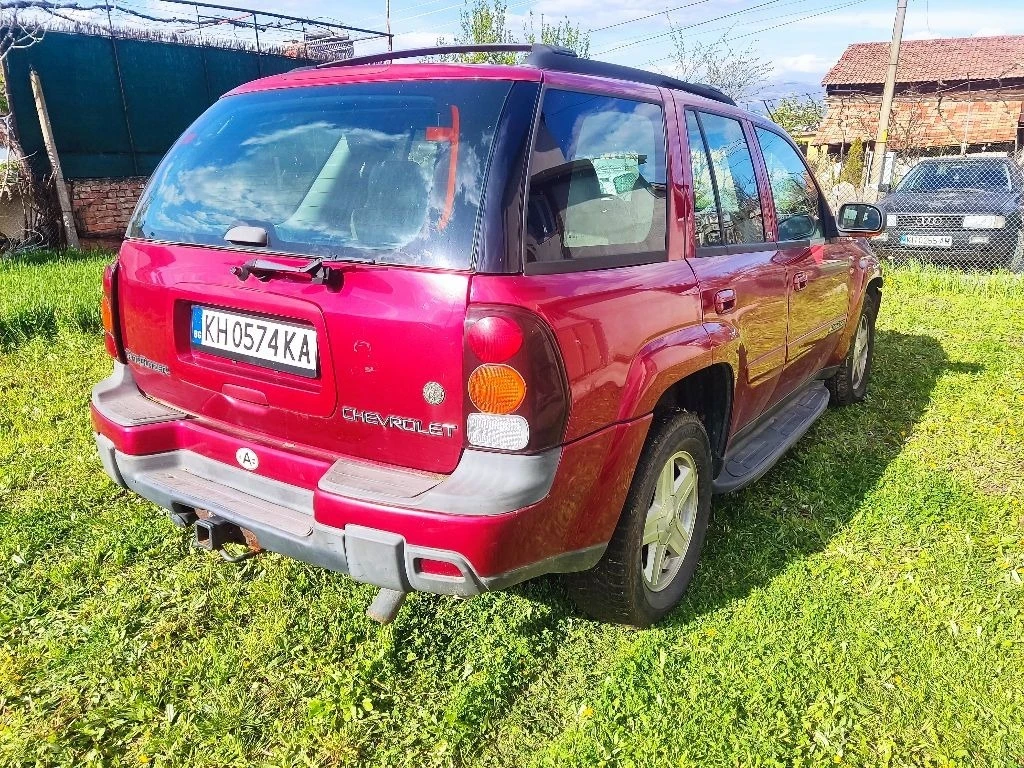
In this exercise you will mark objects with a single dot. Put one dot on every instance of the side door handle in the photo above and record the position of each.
(800, 281)
(725, 301)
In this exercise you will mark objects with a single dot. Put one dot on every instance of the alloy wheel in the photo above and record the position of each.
(860, 351)
(668, 527)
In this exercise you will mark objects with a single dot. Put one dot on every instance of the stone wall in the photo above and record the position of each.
(102, 207)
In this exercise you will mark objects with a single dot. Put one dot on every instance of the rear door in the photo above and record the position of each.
(817, 273)
(381, 180)
(381, 337)
(742, 285)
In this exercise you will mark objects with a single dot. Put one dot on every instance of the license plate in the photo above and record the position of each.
(929, 241)
(257, 340)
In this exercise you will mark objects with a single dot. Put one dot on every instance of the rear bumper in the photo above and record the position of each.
(498, 519)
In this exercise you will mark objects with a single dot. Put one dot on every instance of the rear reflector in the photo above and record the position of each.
(490, 430)
(437, 567)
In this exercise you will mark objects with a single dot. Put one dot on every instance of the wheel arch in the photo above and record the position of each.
(874, 287)
(684, 371)
(708, 394)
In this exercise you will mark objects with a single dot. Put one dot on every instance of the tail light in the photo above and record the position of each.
(517, 395)
(108, 314)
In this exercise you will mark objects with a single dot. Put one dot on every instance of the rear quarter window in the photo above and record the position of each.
(597, 184)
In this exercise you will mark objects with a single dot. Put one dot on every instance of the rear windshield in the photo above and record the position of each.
(389, 172)
(957, 175)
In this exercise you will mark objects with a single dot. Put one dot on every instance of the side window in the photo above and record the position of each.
(735, 180)
(705, 207)
(797, 202)
(597, 183)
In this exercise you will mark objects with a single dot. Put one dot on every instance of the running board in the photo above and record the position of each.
(756, 453)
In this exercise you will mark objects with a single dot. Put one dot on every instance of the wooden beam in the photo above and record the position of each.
(51, 150)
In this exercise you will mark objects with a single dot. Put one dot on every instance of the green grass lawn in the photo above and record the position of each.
(861, 605)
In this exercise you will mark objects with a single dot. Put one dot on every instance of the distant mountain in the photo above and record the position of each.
(778, 88)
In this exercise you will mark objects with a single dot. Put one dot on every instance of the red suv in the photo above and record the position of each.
(448, 327)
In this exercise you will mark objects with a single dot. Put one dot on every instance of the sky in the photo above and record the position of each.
(798, 39)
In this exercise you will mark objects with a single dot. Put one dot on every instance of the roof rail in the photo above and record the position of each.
(564, 60)
(436, 50)
(547, 57)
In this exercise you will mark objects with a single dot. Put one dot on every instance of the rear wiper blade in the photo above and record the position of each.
(264, 269)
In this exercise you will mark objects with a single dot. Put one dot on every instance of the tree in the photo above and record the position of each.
(853, 166)
(484, 22)
(737, 72)
(18, 30)
(798, 115)
(564, 34)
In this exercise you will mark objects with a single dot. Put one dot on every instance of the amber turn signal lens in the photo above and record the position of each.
(496, 388)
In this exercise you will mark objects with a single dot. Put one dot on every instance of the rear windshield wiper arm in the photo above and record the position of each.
(264, 269)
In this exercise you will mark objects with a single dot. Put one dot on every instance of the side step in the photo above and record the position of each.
(756, 453)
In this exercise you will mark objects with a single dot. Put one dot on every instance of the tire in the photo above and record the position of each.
(850, 383)
(1016, 263)
(623, 587)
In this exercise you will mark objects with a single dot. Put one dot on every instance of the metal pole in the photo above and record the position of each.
(51, 149)
(967, 122)
(387, 20)
(259, 53)
(882, 134)
(124, 97)
(202, 52)
(247, 11)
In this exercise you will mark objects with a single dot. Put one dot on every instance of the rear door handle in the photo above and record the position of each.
(800, 281)
(725, 301)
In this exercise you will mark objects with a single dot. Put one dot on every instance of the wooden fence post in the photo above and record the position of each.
(51, 149)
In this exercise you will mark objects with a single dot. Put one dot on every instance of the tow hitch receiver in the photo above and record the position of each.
(212, 533)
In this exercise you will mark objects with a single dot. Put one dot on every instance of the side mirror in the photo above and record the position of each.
(859, 220)
(884, 188)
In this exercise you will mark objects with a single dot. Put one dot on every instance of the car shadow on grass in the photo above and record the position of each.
(791, 513)
(812, 493)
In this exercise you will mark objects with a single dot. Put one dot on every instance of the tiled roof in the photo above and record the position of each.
(925, 61)
(922, 122)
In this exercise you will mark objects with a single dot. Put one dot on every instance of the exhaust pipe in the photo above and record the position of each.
(386, 605)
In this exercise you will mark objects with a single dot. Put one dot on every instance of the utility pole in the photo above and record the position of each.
(882, 135)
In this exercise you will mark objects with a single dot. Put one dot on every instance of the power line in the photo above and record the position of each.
(802, 18)
(774, 26)
(688, 26)
(449, 27)
(648, 16)
(728, 28)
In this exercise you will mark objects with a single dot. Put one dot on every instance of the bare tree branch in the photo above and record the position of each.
(738, 72)
(19, 31)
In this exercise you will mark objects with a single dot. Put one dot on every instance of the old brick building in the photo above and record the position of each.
(953, 96)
